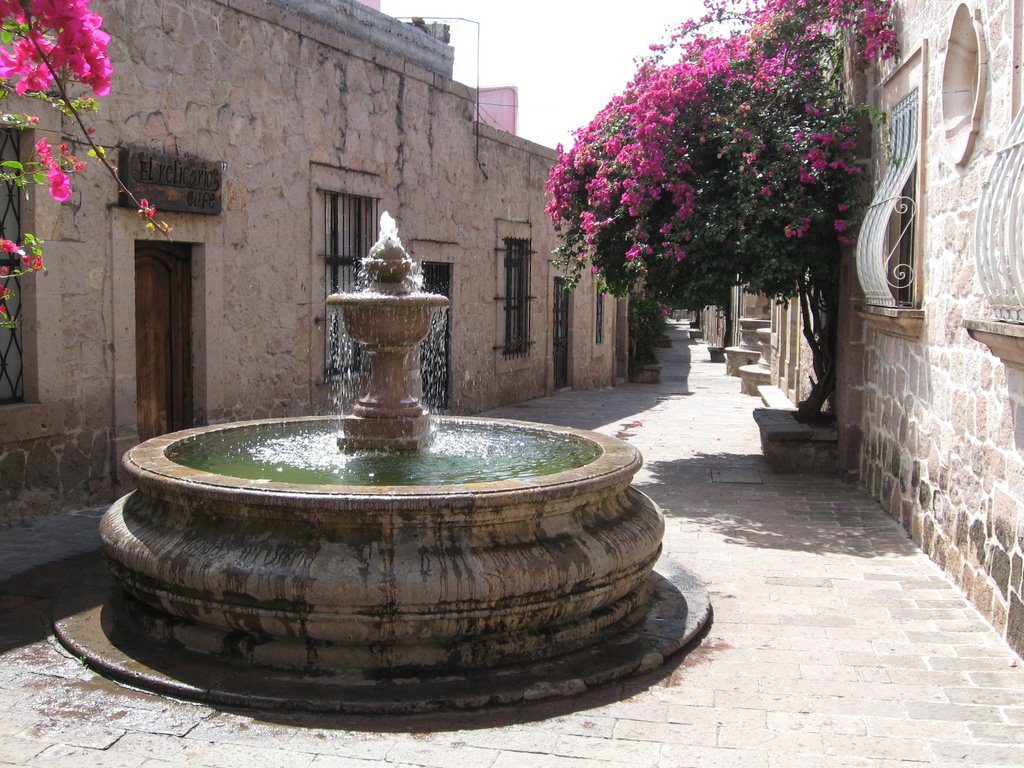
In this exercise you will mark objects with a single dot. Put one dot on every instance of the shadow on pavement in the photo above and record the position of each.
(587, 410)
(740, 498)
(26, 598)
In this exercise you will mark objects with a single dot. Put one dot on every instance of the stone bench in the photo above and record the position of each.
(790, 447)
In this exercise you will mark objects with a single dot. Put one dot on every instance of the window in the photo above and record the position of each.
(517, 297)
(887, 246)
(998, 243)
(599, 318)
(351, 229)
(11, 380)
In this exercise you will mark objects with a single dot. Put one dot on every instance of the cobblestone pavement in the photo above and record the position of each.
(834, 642)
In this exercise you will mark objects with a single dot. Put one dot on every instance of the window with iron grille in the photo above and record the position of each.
(350, 231)
(886, 247)
(999, 247)
(517, 297)
(11, 380)
(599, 318)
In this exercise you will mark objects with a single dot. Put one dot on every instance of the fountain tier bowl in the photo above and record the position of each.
(388, 579)
(385, 320)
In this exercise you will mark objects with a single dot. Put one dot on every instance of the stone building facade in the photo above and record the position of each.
(277, 131)
(931, 393)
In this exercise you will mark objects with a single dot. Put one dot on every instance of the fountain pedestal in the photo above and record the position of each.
(387, 417)
(407, 434)
(388, 318)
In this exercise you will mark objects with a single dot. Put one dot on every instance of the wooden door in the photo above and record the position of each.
(163, 338)
(560, 333)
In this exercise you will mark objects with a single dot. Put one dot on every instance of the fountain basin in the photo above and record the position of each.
(246, 579)
(389, 579)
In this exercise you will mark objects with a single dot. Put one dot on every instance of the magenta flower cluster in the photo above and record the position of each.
(735, 145)
(46, 43)
(57, 37)
(51, 39)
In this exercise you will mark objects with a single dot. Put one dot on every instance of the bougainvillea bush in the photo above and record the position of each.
(46, 44)
(48, 48)
(731, 158)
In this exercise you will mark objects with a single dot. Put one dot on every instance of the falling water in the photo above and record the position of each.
(434, 363)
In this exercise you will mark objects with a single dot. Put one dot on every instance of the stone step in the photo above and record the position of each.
(775, 398)
(752, 377)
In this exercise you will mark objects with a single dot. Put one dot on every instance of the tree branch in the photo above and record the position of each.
(68, 108)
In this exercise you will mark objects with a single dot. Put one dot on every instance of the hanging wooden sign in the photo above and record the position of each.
(171, 183)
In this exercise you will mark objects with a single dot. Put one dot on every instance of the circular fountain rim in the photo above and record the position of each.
(150, 465)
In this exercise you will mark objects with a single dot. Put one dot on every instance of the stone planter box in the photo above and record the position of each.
(790, 447)
(649, 374)
(717, 354)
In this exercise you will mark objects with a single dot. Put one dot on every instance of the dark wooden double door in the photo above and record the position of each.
(163, 338)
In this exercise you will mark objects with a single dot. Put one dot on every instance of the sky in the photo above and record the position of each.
(567, 57)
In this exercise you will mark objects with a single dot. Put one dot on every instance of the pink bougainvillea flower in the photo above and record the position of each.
(60, 184)
(68, 34)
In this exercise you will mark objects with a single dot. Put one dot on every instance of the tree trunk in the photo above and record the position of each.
(818, 309)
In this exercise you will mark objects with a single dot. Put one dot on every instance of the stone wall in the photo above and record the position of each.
(294, 98)
(942, 424)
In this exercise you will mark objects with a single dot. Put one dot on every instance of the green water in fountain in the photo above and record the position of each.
(306, 452)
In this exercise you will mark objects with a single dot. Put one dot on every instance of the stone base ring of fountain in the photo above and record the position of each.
(108, 641)
(345, 596)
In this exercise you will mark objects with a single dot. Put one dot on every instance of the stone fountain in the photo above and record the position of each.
(363, 579)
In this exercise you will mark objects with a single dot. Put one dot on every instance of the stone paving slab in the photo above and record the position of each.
(835, 643)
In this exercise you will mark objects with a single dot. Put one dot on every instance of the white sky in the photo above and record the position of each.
(567, 57)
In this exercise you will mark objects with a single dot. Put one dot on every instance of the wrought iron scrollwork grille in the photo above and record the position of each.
(886, 257)
(999, 228)
(11, 379)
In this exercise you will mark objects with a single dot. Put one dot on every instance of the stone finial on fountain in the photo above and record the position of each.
(388, 266)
